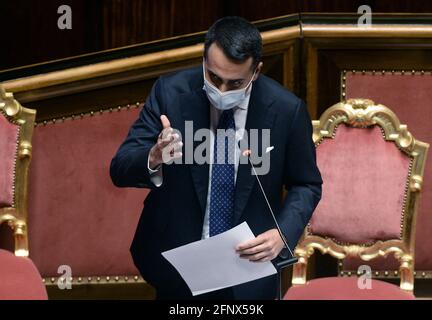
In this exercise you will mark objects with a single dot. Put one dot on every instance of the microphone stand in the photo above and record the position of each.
(286, 261)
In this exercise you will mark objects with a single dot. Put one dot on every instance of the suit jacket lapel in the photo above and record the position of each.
(260, 116)
(196, 108)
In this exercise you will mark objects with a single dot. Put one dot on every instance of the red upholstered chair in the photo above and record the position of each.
(78, 218)
(372, 169)
(19, 278)
(408, 94)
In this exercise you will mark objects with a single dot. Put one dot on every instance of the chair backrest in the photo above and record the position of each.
(372, 169)
(408, 94)
(16, 130)
(78, 218)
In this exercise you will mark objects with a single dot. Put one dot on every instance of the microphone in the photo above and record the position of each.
(286, 261)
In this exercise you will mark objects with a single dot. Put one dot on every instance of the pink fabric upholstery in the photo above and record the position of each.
(409, 96)
(8, 146)
(76, 215)
(346, 288)
(363, 191)
(389, 263)
(19, 279)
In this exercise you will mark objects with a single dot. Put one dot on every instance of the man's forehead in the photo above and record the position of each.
(225, 68)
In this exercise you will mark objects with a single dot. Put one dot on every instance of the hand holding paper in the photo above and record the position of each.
(214, 264)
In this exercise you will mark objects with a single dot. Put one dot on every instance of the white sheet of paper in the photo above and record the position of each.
(212, 264)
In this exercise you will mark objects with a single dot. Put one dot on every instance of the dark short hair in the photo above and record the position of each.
(238, 38)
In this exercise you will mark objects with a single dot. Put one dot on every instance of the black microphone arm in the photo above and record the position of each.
(286, 261)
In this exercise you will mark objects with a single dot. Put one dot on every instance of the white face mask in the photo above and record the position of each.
(228, 99)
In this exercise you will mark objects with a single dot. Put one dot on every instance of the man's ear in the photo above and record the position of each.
(258, 70)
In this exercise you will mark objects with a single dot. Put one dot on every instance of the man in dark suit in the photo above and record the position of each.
(190, 201)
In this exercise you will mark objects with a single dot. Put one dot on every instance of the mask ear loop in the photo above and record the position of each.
(250, 82)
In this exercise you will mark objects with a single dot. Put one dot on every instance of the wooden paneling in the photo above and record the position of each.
(31, 34)
(135, 21)
(128, 80)
(376, 6)
(258, 9)
(325, 59)
(279, 65)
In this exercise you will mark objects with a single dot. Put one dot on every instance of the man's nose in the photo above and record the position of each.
(223, 87)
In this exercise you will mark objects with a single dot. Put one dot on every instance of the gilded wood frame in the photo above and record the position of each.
(362, 113)
(16, 216)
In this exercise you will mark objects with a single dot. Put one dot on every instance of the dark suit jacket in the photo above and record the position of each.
(173, 213)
